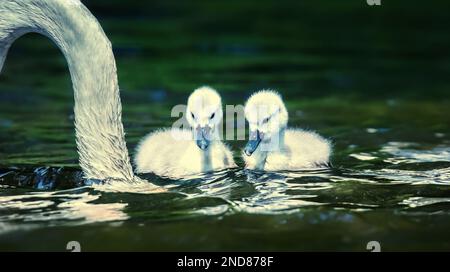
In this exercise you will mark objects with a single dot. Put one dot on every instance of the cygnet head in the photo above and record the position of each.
(204, 114)
(267, 117)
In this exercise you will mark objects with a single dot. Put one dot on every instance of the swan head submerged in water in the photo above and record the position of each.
(100, 136)
(204, 115)
(267, 117)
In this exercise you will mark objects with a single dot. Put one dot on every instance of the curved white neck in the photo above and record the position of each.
(98, 122)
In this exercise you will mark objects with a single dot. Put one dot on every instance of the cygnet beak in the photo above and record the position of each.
(253, 142)
(203, 137)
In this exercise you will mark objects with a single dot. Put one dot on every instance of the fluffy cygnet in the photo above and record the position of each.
(176, 152)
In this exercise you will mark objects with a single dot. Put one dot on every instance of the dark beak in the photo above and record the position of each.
(203, 137)
(253, 142)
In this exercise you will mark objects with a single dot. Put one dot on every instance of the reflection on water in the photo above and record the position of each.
(68, 207)
(244, 191)
(410, 163)
(414, 202)
(324, 196)
(404, 152)
(274, 192)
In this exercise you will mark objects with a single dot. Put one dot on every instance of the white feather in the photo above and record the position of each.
(295, 149)
(98, 111)
(174, 152)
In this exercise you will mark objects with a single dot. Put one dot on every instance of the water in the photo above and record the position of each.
(373, 81)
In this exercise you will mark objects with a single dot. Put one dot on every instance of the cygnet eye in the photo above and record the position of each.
(266, 120)
(193, 116)
(212, 115)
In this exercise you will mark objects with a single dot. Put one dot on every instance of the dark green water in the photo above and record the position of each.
(372, 79)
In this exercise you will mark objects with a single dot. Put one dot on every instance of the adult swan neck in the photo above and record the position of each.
(98, 111)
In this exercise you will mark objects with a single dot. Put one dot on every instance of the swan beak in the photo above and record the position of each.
(203, 139)
(253, 142)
